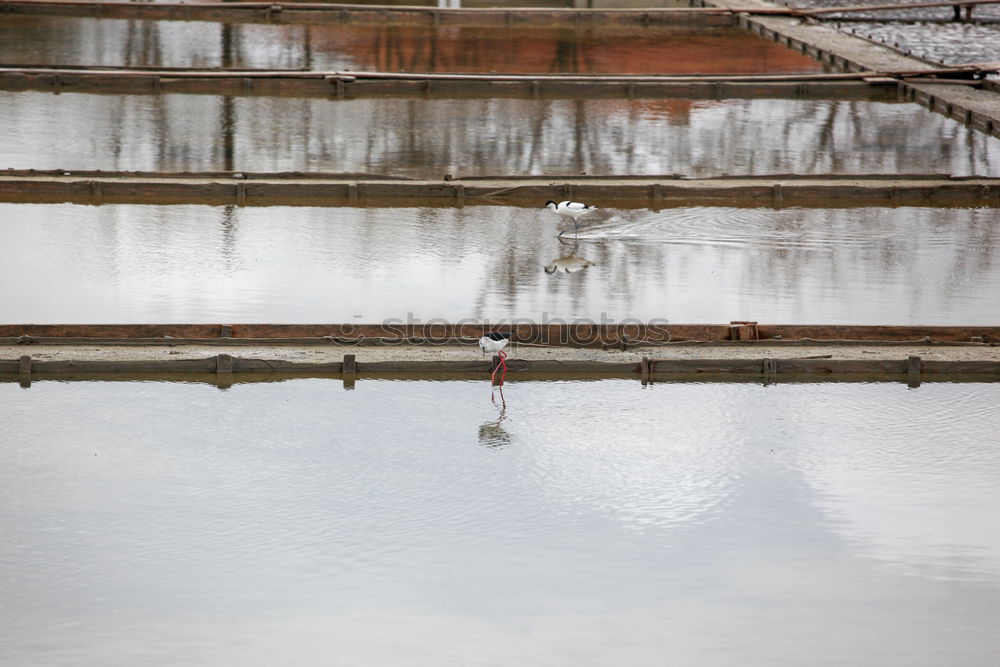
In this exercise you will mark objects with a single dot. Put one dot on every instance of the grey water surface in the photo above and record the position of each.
(427, 138)
(587, 523)
(131, 263)
(608, 49)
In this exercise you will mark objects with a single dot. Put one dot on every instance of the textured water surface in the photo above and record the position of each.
(587, 523)
(126, 263)
(593, 50)
(427, 138)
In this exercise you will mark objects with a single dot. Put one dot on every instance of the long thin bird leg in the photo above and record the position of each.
(493, 374)
(503, 362)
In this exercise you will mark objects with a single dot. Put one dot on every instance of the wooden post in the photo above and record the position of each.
(645, 370)
(24, 371)
(913, 365)
(743, 330)
(769, 369)
(349, 371)
(223, 364)
(223, 371)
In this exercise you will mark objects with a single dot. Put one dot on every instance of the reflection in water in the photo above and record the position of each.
(569, 263)
(699, 264)
(604, 50)
(492, 434)
(465, 137)
(373, 524)
(939, 539)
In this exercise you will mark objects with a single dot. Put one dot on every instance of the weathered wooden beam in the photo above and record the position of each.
(825, 191)
(767, 371)
(318, 84)
(571, 335)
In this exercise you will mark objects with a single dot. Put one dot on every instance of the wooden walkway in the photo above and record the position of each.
(738, 351)
(977, 108)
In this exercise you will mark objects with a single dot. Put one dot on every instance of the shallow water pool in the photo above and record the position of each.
(129, 263)
(588, 523)
(427, 138)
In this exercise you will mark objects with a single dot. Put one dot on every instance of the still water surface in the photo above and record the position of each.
(296, 523)
(428, 138)
(32, 40)
(280, 264)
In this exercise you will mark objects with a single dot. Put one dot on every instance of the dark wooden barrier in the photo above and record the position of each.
(223, 369)
(244, 189)
(577, 334)
(354, 85)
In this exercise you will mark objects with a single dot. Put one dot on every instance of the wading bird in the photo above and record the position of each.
(496, 341)
(570, 209)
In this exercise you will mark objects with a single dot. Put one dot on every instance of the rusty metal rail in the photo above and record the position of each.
(306, 12)
(656, 192)
(577, 334)
(299, 13)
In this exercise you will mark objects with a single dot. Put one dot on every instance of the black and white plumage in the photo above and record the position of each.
(496, 341)
(570, 209)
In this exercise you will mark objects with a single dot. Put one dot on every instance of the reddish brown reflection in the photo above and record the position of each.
(637, 51)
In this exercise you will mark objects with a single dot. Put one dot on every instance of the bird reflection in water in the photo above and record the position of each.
(569, 263)
(492, 434)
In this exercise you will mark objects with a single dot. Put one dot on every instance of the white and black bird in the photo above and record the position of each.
(570, 209)
(496, 341)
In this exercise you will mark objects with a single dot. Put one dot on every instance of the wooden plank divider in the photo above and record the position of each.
(572, 335)
(824, 191)
(225, 368)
